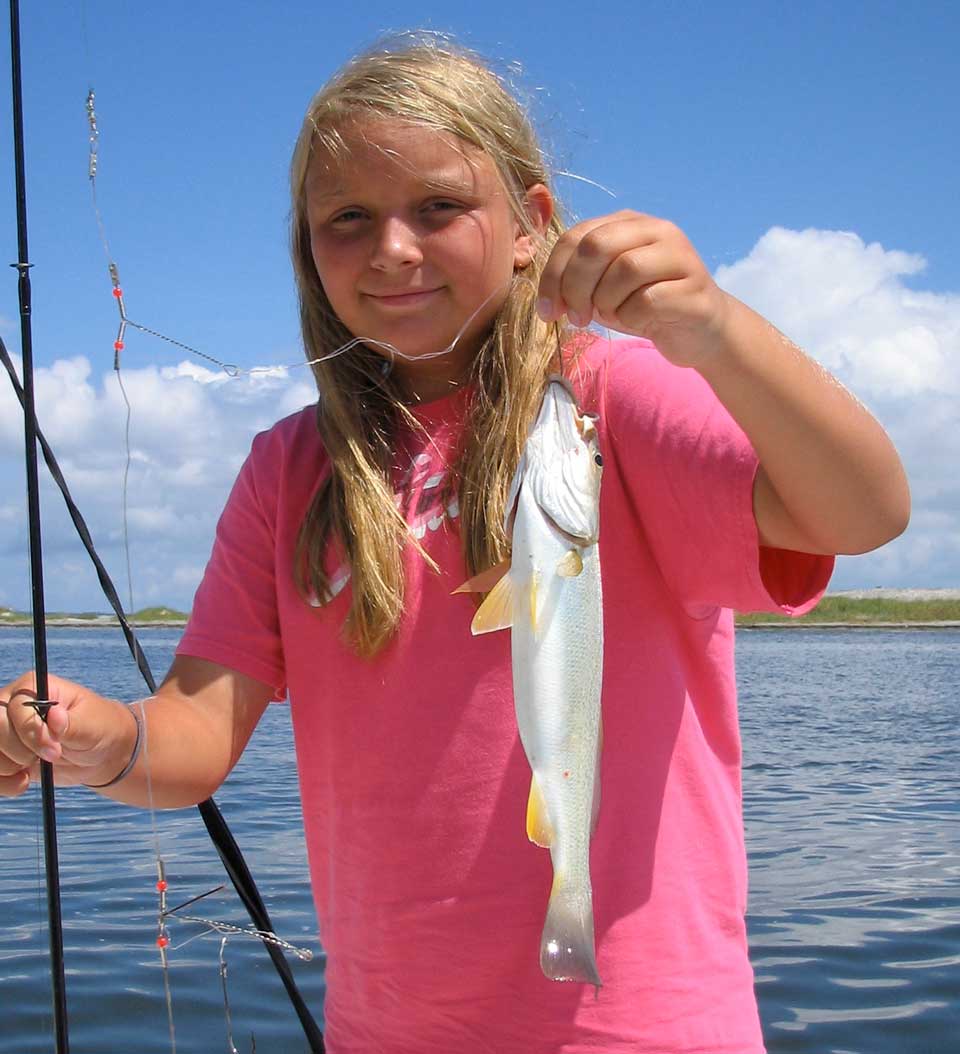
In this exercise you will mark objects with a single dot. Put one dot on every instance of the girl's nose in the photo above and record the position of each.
(397, 245)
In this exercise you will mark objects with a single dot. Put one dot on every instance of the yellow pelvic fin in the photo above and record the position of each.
(571, 565)
(486, 580)
(496, 612)
(539, 829)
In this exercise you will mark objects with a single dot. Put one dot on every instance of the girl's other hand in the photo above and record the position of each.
(639, 275)
(84, 735)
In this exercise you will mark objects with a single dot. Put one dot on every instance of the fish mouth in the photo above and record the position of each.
(565, 383)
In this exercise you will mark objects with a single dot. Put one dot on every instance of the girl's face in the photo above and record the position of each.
(414, 240)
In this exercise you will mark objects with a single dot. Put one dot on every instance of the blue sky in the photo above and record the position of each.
(734, 121)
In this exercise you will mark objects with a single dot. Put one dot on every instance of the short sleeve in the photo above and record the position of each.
(688, 471)
(235, 620)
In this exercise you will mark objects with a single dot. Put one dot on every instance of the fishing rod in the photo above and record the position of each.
(22, 266)
(220, 834)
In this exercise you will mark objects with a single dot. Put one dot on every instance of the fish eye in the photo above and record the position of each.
(598, 459)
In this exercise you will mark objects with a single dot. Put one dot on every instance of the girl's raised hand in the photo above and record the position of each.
(81, 736)
(639, 275)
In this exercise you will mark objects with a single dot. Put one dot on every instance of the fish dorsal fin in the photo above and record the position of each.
(496, 612)
(539, 828)
(595, 807)
(486, 581)
(571, 565)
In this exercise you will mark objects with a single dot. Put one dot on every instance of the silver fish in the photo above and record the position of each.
(551, 597)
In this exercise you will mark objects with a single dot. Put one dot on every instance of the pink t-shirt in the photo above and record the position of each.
(414, 784)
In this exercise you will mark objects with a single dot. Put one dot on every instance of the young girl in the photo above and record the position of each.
(734, 466)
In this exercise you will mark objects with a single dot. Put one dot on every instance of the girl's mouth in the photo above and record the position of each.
(411, 299)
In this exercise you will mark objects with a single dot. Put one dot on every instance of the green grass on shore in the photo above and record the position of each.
(867, 610)
(152, 614)
(160, 614)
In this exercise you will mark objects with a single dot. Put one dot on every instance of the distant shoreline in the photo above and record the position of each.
(800, 624)
(870, 609)
(146, 618)
(68, 622)
(846, 609)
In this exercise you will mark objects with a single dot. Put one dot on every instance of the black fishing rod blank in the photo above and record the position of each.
(223, 839)
(58, 980)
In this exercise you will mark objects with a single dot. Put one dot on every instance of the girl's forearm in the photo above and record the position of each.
(182, 757)
(830, 480)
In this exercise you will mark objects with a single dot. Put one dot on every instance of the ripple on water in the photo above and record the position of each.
(851, 810)
(853, 902)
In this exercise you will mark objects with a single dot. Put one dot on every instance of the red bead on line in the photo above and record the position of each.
(118, 345)
(117, 292)
(162, 886)
(162, 942)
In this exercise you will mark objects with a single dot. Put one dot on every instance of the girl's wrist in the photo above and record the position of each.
(131, 753)
(737, 334)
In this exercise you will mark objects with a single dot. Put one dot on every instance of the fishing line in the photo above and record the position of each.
(231, 1047)
(223, 840)
(589, 182)
(124, 489)
(30, 434)
(303, 954)
(231, 370)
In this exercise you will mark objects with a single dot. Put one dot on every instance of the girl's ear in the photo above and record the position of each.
(538, 203)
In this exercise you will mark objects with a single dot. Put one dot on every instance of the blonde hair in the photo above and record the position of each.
(427, 81)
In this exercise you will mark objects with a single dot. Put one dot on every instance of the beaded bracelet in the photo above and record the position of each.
(128, 768)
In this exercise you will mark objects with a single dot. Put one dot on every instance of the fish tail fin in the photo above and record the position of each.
(567, 947)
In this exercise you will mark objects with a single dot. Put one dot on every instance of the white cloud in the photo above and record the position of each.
(855, 307)
(847, 303)
(190, 429)
(898, 348)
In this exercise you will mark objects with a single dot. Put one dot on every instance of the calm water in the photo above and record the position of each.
(853, 824)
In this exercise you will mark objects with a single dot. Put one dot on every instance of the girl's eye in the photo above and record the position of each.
(347, 216)
(443, 206)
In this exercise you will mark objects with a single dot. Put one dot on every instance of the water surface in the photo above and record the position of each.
(851, 806)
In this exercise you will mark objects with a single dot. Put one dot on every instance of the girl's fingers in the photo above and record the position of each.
(601, 262)
(15, 752)
(687, 301)
(72, 737)
(24, 735)
(587, 266)
(16, 755)
(35, 733)
(13, 786)
(10, 767)
(58, 721)
(634, 272)
(550, 302)
(644, 308)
